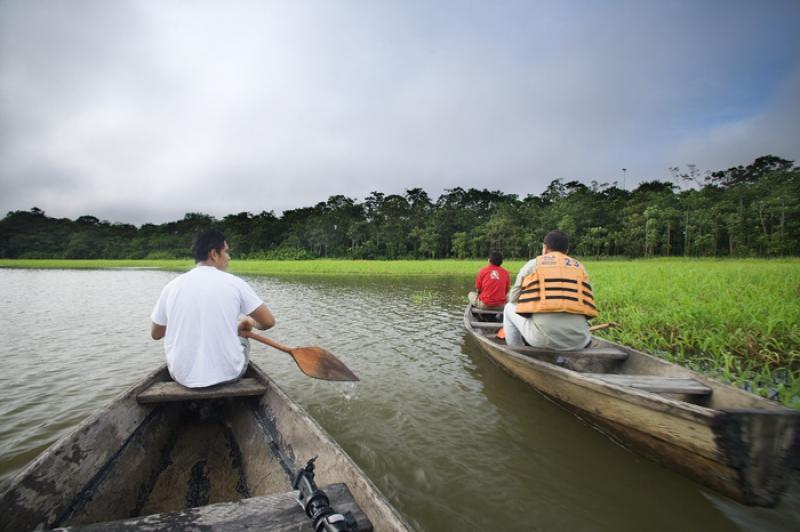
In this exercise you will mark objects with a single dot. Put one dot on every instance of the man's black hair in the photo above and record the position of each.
(557, 241)
(205, 241)
(496, 258)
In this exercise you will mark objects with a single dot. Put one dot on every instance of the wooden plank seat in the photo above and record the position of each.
(488, 312)
(270, 512)
(162, 392)
(602, 352)
(590, 359)
(657, 384)
(486, 325)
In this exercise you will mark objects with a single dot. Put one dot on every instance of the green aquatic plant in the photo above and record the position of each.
(422, 296)
(736, 320)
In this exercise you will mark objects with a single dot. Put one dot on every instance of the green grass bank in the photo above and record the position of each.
(279, 267)
(735, 319)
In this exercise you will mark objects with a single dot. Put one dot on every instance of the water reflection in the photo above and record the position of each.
(453, 441)
(570, 468)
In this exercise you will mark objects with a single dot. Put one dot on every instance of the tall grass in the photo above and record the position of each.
(97, 264)
(276, 267)
(737, 320)
(362, 267)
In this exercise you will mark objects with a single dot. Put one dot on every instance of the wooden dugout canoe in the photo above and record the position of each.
(728, 439)
(162, 457)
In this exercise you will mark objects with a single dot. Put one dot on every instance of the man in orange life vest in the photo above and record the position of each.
(491, 284)
(550, 301)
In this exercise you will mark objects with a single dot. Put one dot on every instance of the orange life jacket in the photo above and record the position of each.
(558, 284)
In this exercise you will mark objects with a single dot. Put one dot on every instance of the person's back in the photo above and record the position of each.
(491, 284)
(198, 313)
(554, 314)
(203, 307)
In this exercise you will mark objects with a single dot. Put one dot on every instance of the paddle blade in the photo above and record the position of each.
(319, 363)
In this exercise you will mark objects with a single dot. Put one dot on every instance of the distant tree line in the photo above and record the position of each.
(738, 212)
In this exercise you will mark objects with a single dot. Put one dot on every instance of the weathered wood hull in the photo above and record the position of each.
(136, 459)
(732, 441)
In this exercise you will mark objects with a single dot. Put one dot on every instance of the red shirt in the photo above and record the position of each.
(492, 285)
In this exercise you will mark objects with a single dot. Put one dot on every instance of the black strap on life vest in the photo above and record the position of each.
(557, 292)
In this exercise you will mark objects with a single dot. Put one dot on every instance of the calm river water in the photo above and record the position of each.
(453, 441)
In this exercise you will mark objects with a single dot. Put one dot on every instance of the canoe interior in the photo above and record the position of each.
(723, 397)
(187, 455)
(133, 460)
(184, 455)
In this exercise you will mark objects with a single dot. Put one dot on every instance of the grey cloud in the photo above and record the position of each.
(774, 131)
(142, 111)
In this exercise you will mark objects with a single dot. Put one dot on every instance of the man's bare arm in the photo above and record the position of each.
(260, 318)
(263, 317)
(158, 331)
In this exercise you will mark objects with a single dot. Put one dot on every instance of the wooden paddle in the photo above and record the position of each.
(603, 326)
(313, 361)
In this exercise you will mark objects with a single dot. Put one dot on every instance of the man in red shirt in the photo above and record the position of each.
(492, 284)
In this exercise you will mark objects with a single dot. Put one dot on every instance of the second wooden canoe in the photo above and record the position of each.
(730, 440)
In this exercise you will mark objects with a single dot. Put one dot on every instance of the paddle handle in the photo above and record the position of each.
(603, 326)
(265, 340)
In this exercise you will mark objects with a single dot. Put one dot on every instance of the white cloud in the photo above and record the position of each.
(775, 130)
(143, 111)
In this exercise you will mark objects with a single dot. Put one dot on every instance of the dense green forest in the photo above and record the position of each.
(742, 211)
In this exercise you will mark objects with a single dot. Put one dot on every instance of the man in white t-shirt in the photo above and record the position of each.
(198, 313)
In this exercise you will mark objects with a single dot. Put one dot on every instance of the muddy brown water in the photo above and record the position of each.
(453, 441)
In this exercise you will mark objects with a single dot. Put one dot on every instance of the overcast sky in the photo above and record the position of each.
(141, 111)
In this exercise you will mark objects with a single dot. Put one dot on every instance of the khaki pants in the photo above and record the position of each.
(477, 303)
